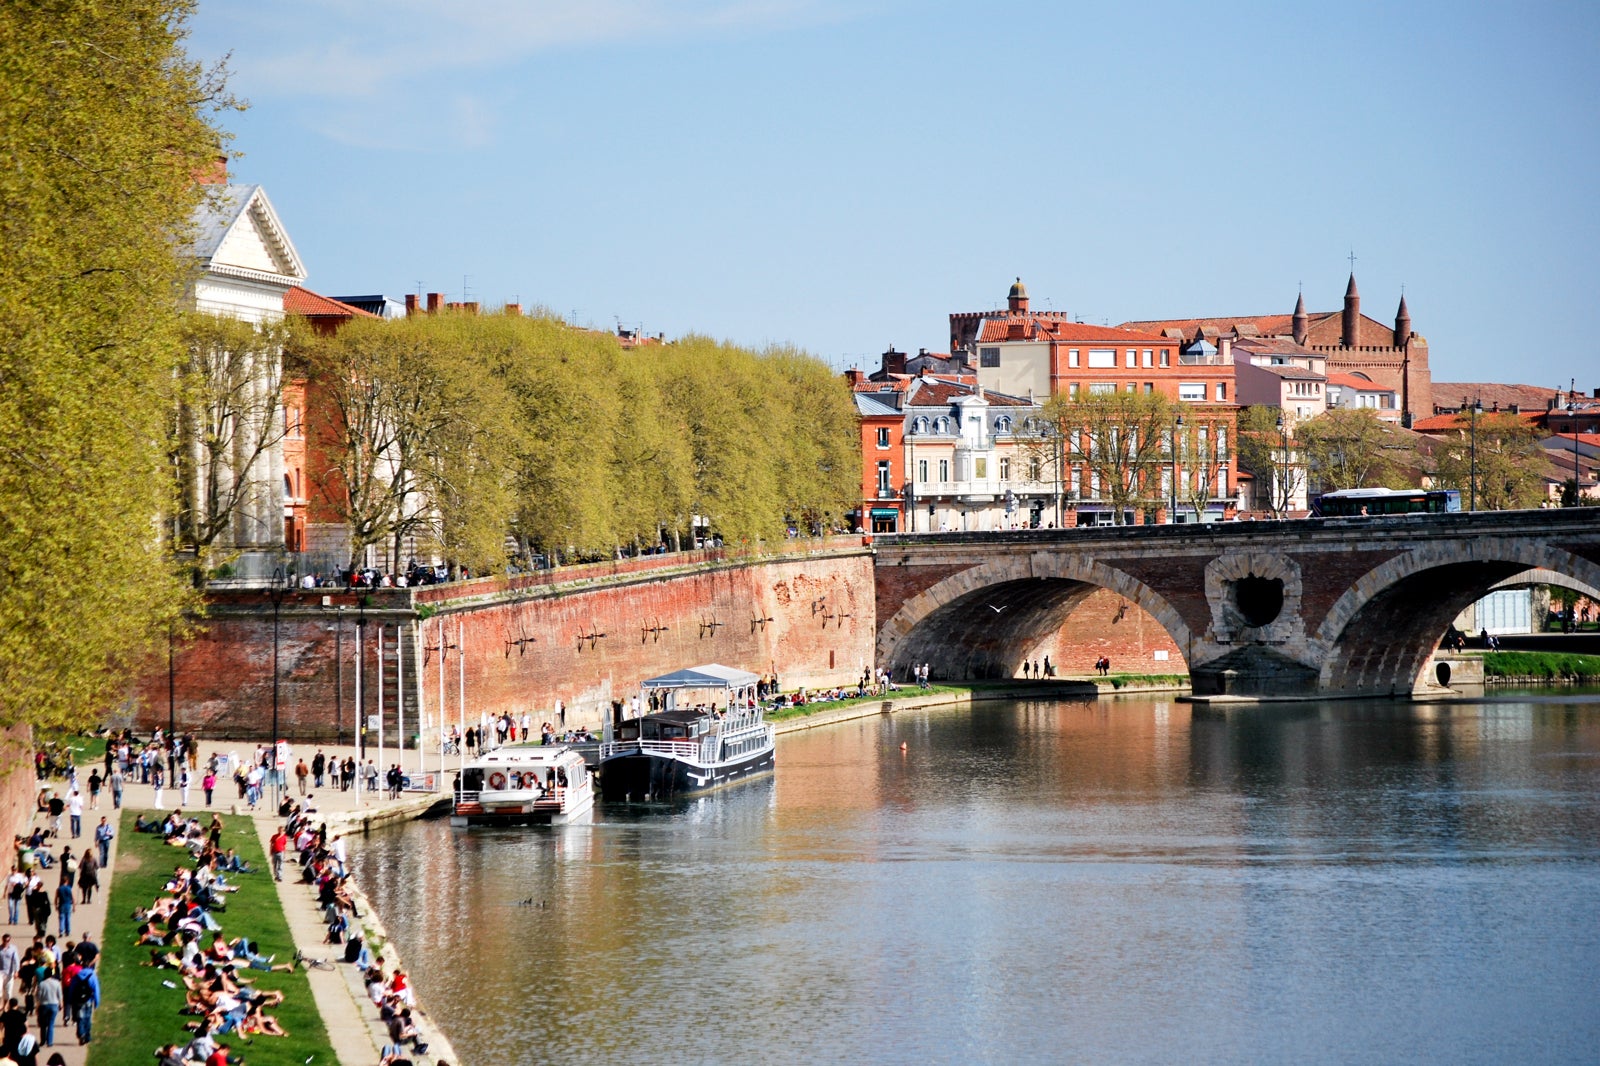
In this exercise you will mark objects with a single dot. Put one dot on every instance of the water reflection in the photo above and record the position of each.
(1049, 882)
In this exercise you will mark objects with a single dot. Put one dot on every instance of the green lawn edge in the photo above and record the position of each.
(1550, 665)
(138, 1013)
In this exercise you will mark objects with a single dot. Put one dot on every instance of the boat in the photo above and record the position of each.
(543, 784)
(682, 747)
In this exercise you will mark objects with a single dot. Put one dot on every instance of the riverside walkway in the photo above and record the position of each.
(352, 1020)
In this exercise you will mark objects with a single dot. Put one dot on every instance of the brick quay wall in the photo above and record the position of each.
(584, 634)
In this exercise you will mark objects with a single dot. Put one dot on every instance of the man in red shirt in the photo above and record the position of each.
(280, 844)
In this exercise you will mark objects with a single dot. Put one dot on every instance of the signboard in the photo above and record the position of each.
(372, 722)
(283, 754)
(420, 782)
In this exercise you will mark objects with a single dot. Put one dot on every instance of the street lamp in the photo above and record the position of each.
(1476, 410)
(1572, 412)
(1288, 483)
(277, 591)
(1172, 447)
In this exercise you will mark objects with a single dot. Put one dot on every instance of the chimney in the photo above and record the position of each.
(214, 172)
(855, 377)
(412, 301)
(513, 309)
(435, 302)
(894, 362)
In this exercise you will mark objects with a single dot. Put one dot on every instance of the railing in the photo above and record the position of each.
(673, 748)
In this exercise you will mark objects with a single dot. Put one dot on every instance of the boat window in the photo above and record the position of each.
(628, 731)
(472, 779)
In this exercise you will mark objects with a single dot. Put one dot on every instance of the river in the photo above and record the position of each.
(1114, 881)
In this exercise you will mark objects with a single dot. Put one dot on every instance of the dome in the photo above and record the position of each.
(1019, 291)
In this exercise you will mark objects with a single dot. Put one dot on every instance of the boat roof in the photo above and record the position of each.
(711, 675)
(525, 753)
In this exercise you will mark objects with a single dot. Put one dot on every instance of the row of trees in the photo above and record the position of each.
(103, 124)
(455, 430)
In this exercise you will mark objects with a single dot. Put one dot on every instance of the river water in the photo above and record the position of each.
(1114, 881)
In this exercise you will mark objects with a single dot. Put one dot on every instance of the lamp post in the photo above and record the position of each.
(172, 688)
(278, 590)
(1572, 412)
(1288, 484)
(1172, 447)
(1472, 445)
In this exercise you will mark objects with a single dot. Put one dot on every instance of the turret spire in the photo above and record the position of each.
(1302, 321)
(1350, 333)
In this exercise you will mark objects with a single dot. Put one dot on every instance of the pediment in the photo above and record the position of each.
(238, 234)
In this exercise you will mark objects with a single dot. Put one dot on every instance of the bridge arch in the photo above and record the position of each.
(1379, 635)
(981, 622)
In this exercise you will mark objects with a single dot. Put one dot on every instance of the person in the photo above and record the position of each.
(38, 905)
(102, 838)
(279, 845)
(208, 785)
(10, 967)
(158, 781)
(64, 908)
(48, 995)
(95, 781)
(56, 806)
(372, 776)
(13, 1025)
(88, 876)
(301, 772)
(16, 889)
(85, 997)
(319, 763)
(118, 780)
(1049, 671)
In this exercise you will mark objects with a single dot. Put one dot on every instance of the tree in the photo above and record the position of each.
(1495, 460)
(103, 123)
(1120, 440)
(1353, 448)
(1267, 450)
(226, 423)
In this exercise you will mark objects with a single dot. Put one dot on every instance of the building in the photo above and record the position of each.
(1394, 356)
(246, 266)
(945, 454)
(1348, 392)
(1277, 372)
(1034, 354)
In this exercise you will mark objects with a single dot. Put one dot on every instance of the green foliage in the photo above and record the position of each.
(1123, 439)
(1353, 448)
(1543, 665)
(572, 444)
(1500, 454)
(1271, 454)
(103, 123)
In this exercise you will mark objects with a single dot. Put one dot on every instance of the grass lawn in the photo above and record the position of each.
(139, 1013)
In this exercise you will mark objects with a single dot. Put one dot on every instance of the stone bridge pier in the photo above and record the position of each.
(1324, 607)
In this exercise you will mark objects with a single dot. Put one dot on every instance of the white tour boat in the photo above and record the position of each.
(548, 784)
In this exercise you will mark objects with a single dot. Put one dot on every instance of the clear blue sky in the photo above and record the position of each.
(842, 174)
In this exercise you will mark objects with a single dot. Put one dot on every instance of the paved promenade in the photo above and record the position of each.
(352, 1020)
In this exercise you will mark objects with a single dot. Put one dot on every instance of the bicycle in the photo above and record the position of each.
(304, 961)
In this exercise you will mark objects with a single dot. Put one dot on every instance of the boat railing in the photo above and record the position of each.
(678, 748)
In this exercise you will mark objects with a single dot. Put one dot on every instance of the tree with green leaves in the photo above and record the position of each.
(1353, 448)
(1495, 460)
(1269, 450)
(104, 121)
(1119, 440)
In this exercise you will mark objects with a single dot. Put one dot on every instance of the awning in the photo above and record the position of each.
(711, 676)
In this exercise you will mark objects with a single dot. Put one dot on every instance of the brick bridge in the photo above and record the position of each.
(1347, 607)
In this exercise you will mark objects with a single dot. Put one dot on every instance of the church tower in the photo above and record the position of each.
(1350, 324)
(1402, 325)
(1017, 298)
(1302, 321)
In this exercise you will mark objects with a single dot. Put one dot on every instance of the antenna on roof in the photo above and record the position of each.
(466, 293)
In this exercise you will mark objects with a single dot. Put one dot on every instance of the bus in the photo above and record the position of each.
(1354, 503)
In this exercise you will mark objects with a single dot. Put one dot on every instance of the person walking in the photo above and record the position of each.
(38, 905)
(10, 967)
(319, 763)
(48, 995)
(102, 838)
(301, 772)
(279, 845)
(372, 777)
(16, 889)
(158, 781)
(95, 782)
(85, 993)
(118, 779)
(184, 781)
(208, 785)
(88, 876)
(64, 908)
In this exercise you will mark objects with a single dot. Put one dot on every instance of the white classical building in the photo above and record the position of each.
(247, 263)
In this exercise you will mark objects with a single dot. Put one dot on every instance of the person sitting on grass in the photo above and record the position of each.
(231, 863)
(250, 953)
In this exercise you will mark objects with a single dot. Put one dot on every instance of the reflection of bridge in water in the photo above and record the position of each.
(1335, 607)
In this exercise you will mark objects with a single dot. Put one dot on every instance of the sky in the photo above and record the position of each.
(841, 175)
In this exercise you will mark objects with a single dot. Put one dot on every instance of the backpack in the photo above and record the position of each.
(78, 990)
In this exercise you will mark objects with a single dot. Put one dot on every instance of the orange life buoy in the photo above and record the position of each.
(497, 780)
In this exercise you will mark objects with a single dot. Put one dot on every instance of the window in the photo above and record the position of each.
(980, 468)
(1077, 481)
(1386, 401)
(1149, 387)
(1222, 480)
(1192, 391)
(988, 356)
(1005, 468)
(1102, 358)
(1002, 424)
(941, 424)
(883, 436)
(944, 470)
(1131, 387)
(1222, 392)
(1222, 442)
(1166, 357)
(919, 424)
(883, 478)
(1105, 388)
(1072, 390)
(1148, 358)
(922, 471)
(1072, 357)
(1130, 358)
(1035, 469)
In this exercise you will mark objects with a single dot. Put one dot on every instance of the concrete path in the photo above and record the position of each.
(352, 1021)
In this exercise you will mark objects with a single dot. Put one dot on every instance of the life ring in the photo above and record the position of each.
(497, 780)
